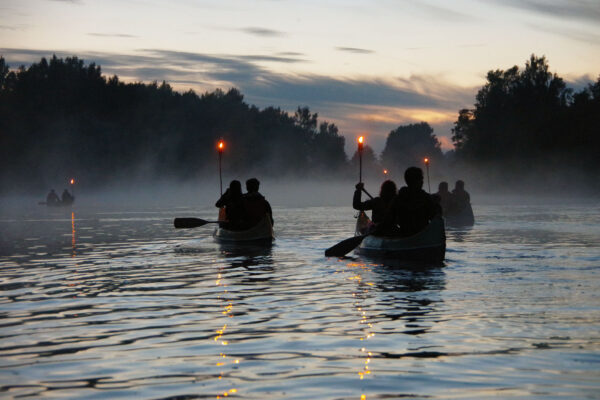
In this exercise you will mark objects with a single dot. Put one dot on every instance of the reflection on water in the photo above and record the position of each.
(118, 304)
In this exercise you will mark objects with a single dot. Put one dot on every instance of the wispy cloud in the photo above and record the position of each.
(583, 10)
(262, 32)
(354, 50)
(114, 35)
(579, 35)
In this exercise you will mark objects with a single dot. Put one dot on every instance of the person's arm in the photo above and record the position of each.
(359, 205)
(222, 200)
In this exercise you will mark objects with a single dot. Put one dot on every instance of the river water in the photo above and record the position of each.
(116, 303)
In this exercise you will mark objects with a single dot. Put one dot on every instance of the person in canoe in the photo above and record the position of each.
(460, 197)
(235, 208)
(66, 197)
(256, 204)
(52, 198)
(379, 206)
(414, 208)
(444, 197)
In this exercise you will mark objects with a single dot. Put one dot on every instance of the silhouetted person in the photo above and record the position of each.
(460, 197)
(379, 205)
(235, 208)
(66, 197)
(444, 196)
(256, 204)
(414, 207)
(52, 198)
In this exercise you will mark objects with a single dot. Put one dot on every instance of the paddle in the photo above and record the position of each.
(345, 246)
(191, 222)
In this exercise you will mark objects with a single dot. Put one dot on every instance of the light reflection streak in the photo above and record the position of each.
(72, 234)
(227, 311)
(362, 290)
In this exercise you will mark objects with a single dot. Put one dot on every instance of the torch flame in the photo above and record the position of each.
(221, 145)
(72, 181)
(385, 171)
(426, 160)
(360, 139)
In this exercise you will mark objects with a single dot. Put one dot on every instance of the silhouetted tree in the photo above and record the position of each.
(408, 145)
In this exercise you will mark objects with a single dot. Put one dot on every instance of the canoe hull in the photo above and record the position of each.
(464, 217)
(261, 233)
(428, 245)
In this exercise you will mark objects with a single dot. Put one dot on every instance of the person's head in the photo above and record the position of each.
(252, 185)
(388, 190)
(235, 188)
(414, 177)
(460, 185)
(443, 187)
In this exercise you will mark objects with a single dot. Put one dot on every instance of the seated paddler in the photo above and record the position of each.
(235, 207)
(414, 208)
(380, 205)
(256, 204)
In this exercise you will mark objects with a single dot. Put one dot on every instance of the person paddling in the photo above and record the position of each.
(256, 204)
(235, 208)
(52, 198)
(380, 205)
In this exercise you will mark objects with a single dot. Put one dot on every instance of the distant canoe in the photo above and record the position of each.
(429, 245)
(58, 203)
(463, 217)
(259, 233)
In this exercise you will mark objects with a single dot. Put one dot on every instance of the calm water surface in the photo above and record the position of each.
(112, 304)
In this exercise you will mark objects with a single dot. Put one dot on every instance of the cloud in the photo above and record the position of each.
(573, 34)
(354, 50)
(115, 35)
(581, 10)
(264, 32)
(442, 13)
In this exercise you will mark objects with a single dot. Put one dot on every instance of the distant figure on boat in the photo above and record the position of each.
(414, 207)
(235, 210)
(444, 196)
(379, 205)
(460, 197)
(52, 198)
(67, 198)
(256, 204)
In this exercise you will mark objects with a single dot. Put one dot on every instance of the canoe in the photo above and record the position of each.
(428, 245)
(259, 233)
(463, 217)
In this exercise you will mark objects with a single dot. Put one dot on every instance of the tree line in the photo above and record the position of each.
(61, 118)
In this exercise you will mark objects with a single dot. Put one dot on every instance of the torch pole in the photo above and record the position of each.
(220, 175)
(360, 151)
(427, 168)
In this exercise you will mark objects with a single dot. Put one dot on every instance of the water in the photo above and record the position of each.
(109, 304)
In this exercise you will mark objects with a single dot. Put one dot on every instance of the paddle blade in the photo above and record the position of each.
(344, 247)
(189, 222)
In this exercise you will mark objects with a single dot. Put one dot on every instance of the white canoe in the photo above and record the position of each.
(259, 233)
(429, 245)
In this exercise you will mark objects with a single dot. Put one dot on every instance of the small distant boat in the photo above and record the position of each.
(261, 233)
(463, 217)
(60, 203)
(428, 245)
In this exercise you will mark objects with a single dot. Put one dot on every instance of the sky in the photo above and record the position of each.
(367, 66)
